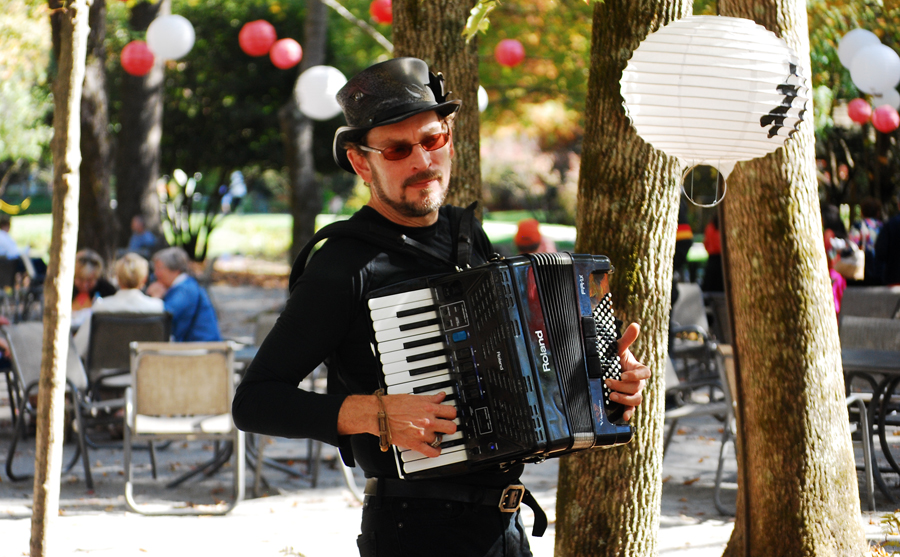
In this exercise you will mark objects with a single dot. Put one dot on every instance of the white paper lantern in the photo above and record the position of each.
(482, 99)
(875, 69)
(170, 37)
(318, 87)
(890, 97)
(854, 41)
(714, 90)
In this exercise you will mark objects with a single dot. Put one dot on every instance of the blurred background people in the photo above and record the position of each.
(8, 246)
(835, 237)
(887, 249)
(528, 238)
(712, 241)
(863, 233)
(142, 241)
(193, 315)
(131, 273)
(89, 280)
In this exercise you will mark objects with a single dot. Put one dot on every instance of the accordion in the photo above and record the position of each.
(521, 346)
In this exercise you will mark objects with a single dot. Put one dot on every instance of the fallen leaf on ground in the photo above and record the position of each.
(691, 481)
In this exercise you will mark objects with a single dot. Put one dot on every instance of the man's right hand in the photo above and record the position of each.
(414, 419)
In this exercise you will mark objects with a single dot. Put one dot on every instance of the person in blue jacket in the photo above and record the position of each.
(193, 315)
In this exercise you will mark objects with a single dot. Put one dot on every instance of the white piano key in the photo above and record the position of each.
(451, 455)
(405, 367)
(394, 334)
(407, 388)
(397, 322)
(391, 311)
(402, 355)
(403, 377)
(394, 345)
(401, 298)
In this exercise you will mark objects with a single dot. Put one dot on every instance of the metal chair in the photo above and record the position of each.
(9, 269)
(692, 348)
(182, 391)
(25, 346)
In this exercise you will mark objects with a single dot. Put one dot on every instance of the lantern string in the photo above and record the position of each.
(690, 197)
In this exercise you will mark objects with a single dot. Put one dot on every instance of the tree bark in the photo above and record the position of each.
(137, 149)
(797, 466)
(297, 133)
(72, 22)
(432, 31)
(98, 225)
(608, 501)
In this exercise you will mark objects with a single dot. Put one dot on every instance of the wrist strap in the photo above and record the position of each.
(384, 428)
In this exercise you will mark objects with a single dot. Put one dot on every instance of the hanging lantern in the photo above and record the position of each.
(854, 41)
(136, 58)
(875, 69)
(257, 37)
(380, 10)
(509, 53)
(286, 53)
(482, 99)
(318, 87)
(170, 37)
(890, 97)
(859, 111)
(885, 119)
(714, 90)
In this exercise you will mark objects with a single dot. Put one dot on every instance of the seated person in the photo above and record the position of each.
(10, 250)
(142, 241)
(131, 272)
(529, 239)
(193, 316)
(89, 284)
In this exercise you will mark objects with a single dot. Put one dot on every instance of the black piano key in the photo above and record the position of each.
(422, 342)
(415, 311)
(426, 355)
(453, 443)
(429, 369)
(419, 324)
(433, 387)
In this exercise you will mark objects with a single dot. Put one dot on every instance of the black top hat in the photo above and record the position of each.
(384, 94)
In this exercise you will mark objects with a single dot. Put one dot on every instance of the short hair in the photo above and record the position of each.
(88, 262)
(5, 220)
(132, 270)
(870, 208)
(174, 259)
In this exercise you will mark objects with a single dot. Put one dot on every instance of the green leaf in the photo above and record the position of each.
(478, 18)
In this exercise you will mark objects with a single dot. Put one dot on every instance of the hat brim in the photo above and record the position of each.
(353, 134)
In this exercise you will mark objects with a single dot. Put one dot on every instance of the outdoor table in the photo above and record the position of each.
(881, 369)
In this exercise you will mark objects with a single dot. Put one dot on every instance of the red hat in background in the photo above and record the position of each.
(528, 236)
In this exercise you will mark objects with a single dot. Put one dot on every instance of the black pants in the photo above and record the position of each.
(400, 527)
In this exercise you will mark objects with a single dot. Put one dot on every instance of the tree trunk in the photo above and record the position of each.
(137, 150)
(73, 26)
(432, 31)
(796, 459)
(608, 501)
(98, 226)
(297, 133)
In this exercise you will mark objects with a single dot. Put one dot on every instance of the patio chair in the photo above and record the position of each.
(182, 391)
(25, 344)
(870, 301)
(692, 348)
(9, 288)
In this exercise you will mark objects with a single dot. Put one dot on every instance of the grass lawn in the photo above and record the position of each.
(268, 236)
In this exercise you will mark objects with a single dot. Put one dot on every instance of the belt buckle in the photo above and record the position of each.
(511, 498)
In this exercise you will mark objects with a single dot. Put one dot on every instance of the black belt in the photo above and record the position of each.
(507, 499)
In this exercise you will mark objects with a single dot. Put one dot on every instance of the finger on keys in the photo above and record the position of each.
(628, 337)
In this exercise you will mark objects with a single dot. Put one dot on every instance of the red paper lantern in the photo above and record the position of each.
(859, 111)
(257, 37)
(380, 10)
(885, 118)
(286, 53)
(136, 58)
(509, 52)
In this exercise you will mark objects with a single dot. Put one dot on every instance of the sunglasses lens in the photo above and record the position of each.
(434, 142)
(397, 152)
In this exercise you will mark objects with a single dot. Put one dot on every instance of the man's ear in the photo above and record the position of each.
(360, 164)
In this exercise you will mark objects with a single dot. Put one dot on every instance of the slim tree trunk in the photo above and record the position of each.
(798, 490)
(137, 150)
(297, 134)
(608, 502)
(432, 31)
(98, 226)
(72, 19)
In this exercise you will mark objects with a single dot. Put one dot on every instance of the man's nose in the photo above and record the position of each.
(419, 157)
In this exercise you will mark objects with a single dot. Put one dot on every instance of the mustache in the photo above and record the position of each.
(423, 176)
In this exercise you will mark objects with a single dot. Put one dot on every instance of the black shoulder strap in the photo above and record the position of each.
(463, 229)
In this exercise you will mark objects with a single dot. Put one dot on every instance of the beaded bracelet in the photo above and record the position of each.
(384, 427)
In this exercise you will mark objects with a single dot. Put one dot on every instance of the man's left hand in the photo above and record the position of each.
(627, 390)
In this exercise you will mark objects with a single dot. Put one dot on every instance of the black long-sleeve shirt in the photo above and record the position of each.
(325, 318)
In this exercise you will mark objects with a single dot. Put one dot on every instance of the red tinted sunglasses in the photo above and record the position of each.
(400, 151)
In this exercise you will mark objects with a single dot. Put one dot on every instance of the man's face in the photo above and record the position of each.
(164, 275)
(411, 190)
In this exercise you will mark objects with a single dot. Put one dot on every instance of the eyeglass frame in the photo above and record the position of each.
(447, 131)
